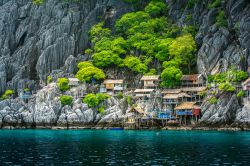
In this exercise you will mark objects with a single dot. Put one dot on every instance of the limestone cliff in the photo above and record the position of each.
(37, 40)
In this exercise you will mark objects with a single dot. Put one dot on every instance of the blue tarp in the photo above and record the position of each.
(184, 113)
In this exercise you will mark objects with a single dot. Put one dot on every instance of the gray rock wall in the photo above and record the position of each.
(222, 47)
(35, 40)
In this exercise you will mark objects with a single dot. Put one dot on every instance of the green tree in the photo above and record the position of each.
(162, 49)
(130, 20)
(87, 74)
(135, 64)
(63, 84)
(184, 48)
(98, 32)
(171, 63)
(156, 8)
(170, 77)
(84, 64)
(106, 58)
(66, 100)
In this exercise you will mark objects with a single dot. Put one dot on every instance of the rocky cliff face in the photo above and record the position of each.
(218, 47)
(37, 40)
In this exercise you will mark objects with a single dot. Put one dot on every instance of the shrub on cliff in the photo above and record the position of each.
(93, 100)
(63, 84)
(88, 72)
(7, 94)
(227, 87)
(221, 20)
(38, 2)
(66, 100)
(156, 8)
(213, 100)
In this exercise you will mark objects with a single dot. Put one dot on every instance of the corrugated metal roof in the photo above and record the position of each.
(192, 77)
(171, 91)
(194, 89)
(143, 90)
(113, 82)
(151, 77)
(185, 106)
(176, 96)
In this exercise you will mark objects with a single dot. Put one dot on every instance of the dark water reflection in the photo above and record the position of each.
(97, 147)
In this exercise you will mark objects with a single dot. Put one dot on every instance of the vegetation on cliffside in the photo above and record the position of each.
(143, 42)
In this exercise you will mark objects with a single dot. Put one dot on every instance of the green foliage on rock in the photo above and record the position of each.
(87, 72)
(162, 49)
(106, 58)
(66, 100)
(191, 3)
(101, 109)
(98, 32)
(7, 94)
(63, 84)
(84, 64)
(240, 94)
(152, 72)
(144, 40)
(156, 8)
(38, 2)
(184, 48)
(171, 77)
(230, 75)
(221, 19)
(213, 100)
(130, 20)
(227, 87)
(135, 64)
(49, 79)
(93, 100)
(214, 4)
(119, 95)
(88, 51)
(129, 100)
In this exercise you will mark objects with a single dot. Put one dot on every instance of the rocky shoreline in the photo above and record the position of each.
(153, 128)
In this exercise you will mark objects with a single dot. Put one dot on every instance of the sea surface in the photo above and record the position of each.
(106, 147)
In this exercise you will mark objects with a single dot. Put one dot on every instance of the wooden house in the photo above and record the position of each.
(134, 116)
(194, 80)
(73, 82)
(173, 97)
(186, 111)
(246, 89)
(112, 86)
(151, 82)
(144, 94)
(196, 93)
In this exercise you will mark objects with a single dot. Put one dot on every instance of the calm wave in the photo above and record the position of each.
(103, 147)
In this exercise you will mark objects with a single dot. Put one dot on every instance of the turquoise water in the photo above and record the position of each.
(104, 147)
